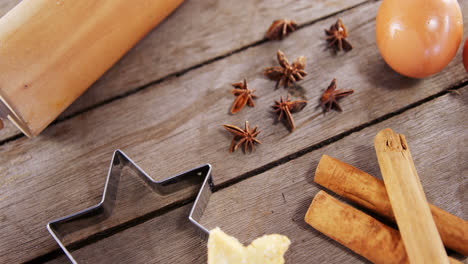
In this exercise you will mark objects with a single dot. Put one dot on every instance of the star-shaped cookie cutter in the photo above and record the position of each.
(59, 228)
(200, 204)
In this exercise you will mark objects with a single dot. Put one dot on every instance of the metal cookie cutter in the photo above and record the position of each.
(199, 206)
(59, 228)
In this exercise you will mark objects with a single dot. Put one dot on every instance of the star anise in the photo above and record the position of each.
(336, 37)
(330, 96)
(286, 74)
(279, 29)
(286, 108)
(245, 136)
(243, 96)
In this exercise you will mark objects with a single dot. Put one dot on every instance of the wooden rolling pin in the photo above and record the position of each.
(52, 50)
(409, 204)
(357, 231)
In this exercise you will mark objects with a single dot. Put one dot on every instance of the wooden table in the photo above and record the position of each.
(164, 104)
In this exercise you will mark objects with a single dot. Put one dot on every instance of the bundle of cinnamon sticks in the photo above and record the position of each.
(364, 234)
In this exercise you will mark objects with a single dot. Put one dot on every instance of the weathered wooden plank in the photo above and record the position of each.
(6, 5)
(276, 201)
(170, 238)
(9, 130)
(196, 32)
(255, 209)
(176, 125)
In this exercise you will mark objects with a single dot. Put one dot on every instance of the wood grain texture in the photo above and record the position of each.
(170, 238)
(176, 125)
(276, 201)
(409, 204)
(197, 32)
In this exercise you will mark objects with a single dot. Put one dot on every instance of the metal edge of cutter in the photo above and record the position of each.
(61, 227)
(200, 205)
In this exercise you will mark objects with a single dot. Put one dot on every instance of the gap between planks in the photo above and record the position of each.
(166, 209)
(182, 72)
(390, 90)
(249, 207)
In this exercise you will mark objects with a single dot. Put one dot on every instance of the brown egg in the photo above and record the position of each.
(418, 38)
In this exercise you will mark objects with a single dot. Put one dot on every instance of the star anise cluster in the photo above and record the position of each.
(243, 136)
(286, 108)
(279, 29)
(286, 74)
(331, 95)
(243, 96)
(336, 37)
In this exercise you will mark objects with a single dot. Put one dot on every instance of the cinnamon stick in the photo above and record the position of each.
(409, 204)
(370, 193)
(356, 230)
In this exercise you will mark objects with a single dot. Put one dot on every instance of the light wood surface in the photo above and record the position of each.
(195, 34)
(176, 124)
(409, 204)
(248, 209)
